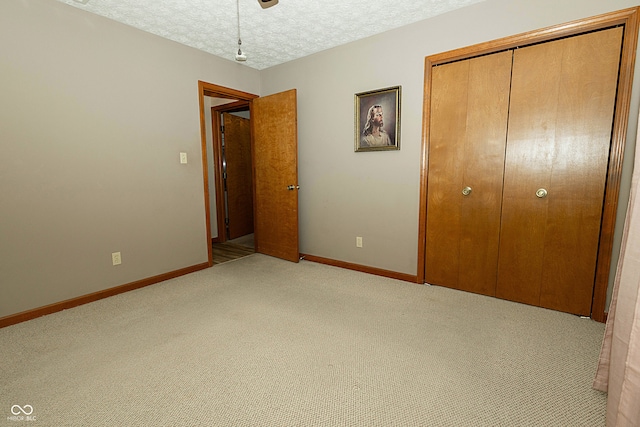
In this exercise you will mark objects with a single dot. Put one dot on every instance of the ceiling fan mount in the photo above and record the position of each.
(240, 56)
(267, 3)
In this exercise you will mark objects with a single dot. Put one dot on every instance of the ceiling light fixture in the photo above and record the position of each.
(240, 57)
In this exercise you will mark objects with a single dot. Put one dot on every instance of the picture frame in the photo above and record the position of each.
(380, 106)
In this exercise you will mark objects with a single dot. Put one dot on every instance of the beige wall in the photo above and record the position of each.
(93, 115)
(376, 194)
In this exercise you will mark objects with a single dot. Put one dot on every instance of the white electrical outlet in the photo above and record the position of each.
(358, 242)
(116, 258)
(183, 158)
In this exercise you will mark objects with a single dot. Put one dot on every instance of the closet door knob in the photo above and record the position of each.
(466, 191)
(541, 193)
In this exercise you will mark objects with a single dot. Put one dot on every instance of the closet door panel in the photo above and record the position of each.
(446, 152)
(483, 166)
(528, 164)
(585, 117)
(468, 133)
(558, 141)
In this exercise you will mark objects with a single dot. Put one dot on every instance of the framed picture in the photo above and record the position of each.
(377, 126)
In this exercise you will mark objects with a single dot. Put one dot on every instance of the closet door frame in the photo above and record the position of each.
(627, 18)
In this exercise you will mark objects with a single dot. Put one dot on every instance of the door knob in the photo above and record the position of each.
(466, 191)
(293, 187)
(541, 193)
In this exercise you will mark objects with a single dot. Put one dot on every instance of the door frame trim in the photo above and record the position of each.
(214, 91)
(627, 18)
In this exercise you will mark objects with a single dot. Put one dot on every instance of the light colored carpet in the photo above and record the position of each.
(264, 342)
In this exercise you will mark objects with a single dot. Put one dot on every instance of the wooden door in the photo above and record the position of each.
(237, 147)
(275, 154)
(560, 121)
(469, 111)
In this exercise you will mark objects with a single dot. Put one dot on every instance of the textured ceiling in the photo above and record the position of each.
(289, 30)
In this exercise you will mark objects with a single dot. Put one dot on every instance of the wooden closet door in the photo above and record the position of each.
(560, 121)
(469, 108)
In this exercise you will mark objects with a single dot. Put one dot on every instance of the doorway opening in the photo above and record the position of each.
(232, 166)
(233, 176)
(215, 101)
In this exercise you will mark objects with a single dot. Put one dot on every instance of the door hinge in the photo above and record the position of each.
(221, 128)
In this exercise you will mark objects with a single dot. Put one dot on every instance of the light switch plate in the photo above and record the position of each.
(183, 158)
